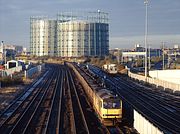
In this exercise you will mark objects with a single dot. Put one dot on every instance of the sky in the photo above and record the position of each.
(126, 19)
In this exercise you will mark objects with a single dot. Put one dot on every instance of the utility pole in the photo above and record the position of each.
(3, 52)
(118, 56)
(149, 57)
(163, 55)
(99, 13)
(168, 58)
(2, 58)
(145, 38)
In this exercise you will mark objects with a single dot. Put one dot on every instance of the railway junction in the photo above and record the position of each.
(159, 107)
(56, 102)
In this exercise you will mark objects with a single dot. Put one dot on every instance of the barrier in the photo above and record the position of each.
(157, 82)
(169, 75)
(29, 73)
(143, 126)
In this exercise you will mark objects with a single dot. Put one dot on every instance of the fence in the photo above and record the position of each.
(143, 126)
(154, 81)
(29, 73)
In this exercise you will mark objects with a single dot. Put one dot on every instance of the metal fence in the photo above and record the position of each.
(29, 73)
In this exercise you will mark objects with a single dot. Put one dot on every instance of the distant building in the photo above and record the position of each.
(9, 51)
(19, 49)
(176, 46)
(8, 46)
(70, 35)
(139, 48)
(129, 56)
(42, 36)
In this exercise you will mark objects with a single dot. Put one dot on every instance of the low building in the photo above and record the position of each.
(129, 56)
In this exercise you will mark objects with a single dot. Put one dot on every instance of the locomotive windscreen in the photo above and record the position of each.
(111, 104)
(12, 64)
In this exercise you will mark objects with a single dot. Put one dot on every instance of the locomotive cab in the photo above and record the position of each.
(111, 111)
(110, 68)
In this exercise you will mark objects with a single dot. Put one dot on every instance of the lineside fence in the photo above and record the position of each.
(29, 73)
(157, 82)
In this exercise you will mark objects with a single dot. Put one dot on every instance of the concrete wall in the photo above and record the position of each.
(155, 81)
(166, 75)
(143, 126)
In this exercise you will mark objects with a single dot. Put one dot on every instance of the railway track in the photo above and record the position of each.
(161, 107)
(54, 104)
(79, 118)
(67, 122)
(114, 130)
(14, 123)
(172, 101)
(155, 110)
(39, 118)
(17, 102)
(54, 118)
(109, 130)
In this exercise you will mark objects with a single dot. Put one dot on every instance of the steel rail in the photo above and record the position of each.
(117, 86)
(17, 100)
(149, 109)
(151, 102)
(73, 118)
(56, 126)
(18, 125)
(20, 108)
(162, 96)
(79, 104)
(29, 123)
(60, 105)
(114, 130)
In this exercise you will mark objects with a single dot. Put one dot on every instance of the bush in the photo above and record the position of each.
(8, 81)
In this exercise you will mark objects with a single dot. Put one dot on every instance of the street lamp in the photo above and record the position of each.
(145, 38)
(3, 52)
(99, 12)
(163, 55)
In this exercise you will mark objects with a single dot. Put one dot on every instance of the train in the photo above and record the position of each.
(107, 105)
(110, 68)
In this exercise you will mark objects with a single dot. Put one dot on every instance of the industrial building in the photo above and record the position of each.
(42, 36)
(72, 34)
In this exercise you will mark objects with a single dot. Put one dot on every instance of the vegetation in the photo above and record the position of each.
(139, 63)
(156, 59)
(8, 81)
(100, 61)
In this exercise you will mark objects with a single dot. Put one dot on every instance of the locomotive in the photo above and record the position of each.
(110, 68)
(107, 105)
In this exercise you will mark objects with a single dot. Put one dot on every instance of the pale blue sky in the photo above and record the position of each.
(127, 19)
